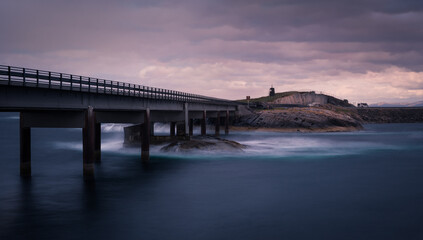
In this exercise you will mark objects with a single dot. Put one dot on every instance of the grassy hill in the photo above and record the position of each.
(269, 99)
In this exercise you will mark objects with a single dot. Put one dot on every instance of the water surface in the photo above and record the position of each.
(357, 185)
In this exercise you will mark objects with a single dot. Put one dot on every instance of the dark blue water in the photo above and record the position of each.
(361, 185)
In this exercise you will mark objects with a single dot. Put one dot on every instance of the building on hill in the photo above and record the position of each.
(271, 91)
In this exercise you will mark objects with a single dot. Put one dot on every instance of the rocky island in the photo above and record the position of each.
(298, 112)
(311, 112)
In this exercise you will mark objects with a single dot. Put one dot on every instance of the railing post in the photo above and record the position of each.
(80, 84)
(61, 80)
(96, 83)
(71, 85)
(49, 80)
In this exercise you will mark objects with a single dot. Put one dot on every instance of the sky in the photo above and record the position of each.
(364, 51)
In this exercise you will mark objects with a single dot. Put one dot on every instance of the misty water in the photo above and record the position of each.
(355, 185)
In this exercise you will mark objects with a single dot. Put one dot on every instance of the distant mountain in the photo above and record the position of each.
(416, 104)
(384, 104)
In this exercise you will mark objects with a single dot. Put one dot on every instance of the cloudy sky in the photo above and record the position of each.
(365, 51)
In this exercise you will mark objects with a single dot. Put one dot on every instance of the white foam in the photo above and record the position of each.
(258, 144)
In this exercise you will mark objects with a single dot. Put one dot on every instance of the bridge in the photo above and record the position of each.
(48, 99)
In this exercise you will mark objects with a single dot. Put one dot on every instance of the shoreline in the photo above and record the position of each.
(290, 130)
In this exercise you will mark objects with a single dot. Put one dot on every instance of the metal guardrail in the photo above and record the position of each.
(26, 77)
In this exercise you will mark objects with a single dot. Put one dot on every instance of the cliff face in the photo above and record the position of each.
(301, 119)
(310, 98)
(302, 99)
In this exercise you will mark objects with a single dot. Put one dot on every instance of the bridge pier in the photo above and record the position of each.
(217, 126)
(25, 148)
(180, 129)
(172, 129)
(145, 143)
(191, 127)
(203, 124)
(97, 143)
(88, 139)
(186, 122)
(227, 122)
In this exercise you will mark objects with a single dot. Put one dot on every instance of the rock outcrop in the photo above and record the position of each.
(204, 143)
(307, 119)
(310, 98)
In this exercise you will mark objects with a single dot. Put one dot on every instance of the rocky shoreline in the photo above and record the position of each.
(204, 143)
(322, 118)
(309, 119)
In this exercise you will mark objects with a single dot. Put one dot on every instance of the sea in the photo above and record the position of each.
(346, 185)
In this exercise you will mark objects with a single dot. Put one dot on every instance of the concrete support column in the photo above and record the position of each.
(172, 129)
(217, 126)
(152, 129)
(186, 119)
(227, 122)
(180, 129)
(25, 148)
(145, 143)
(191, 127)
(203, 124)
(88, 139)
(97, 144)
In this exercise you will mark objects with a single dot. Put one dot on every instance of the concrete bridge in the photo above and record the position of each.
(48, 99)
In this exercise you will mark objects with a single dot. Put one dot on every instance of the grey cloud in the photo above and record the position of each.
(324, 36)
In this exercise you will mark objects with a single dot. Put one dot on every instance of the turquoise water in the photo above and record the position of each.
(357, 185)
